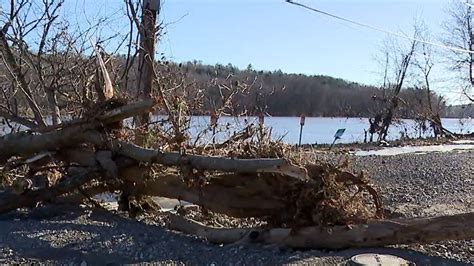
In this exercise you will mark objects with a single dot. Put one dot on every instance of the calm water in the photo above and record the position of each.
(316, 129)
(322, 129)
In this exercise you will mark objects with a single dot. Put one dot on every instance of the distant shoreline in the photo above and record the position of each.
(307, 116)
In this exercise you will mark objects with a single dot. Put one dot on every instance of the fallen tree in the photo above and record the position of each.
(372, 234)
(238, 187)
(96, 147)
(304, 206)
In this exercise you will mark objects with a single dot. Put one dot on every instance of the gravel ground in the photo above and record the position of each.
(412, 185)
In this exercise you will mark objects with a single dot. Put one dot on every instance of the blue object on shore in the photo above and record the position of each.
(337, 136)
(339, 133)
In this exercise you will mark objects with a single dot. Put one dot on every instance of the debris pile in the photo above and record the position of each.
(72, 162)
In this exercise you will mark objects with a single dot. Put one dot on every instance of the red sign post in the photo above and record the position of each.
(302, 121)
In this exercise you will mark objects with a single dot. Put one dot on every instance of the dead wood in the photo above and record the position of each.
(373, 234)
(78, 197)
(316, 206)
(27, 143)
(107, 92)
(201, 162)
(10, 201)
(325, 198)
(17, 119)
(147, 29)
(110, 116)
(74, 132)
(244, 201)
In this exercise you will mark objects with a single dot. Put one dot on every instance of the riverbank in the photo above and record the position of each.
(412, 185)
(354, 146)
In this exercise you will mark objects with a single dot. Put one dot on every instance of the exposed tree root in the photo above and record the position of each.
(304, 205)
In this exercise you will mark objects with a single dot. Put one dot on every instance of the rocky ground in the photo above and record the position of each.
(412, 185)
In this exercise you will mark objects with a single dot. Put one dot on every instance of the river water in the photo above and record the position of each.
(322, 129)
(319, 130)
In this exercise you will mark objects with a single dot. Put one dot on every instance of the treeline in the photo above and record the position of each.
(459, 111)
(271, 92)
(282, 94)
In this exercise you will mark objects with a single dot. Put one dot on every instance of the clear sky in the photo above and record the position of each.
(272, 34)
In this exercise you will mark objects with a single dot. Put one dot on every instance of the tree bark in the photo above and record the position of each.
(150, 9)
(53, 106)
(372, 234)
(104, 91)
(236, 201)
(74, 133)
(26, 144)
(11, 201)
(200, 162)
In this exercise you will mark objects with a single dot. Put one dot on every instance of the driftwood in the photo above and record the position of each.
(236, 195)
(27, 144)
(372, 234)
(60, 142)
(73, 132)
(199, 162)
(313, 200)
(234, 201)
(10, 201)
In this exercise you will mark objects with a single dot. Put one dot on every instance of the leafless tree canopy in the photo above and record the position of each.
(459, 33)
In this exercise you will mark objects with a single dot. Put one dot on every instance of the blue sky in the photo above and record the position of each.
(272, 34)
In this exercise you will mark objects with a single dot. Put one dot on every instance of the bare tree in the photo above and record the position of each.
(459, 34)
(425, 63)
(49, 64)
(14, 30)
(398, 61)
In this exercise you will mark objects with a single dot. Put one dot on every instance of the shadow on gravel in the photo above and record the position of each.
(112, 239)
(102, 238)
(42, 213)
(29, 235)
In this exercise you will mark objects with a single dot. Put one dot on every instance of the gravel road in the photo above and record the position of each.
(412, 185)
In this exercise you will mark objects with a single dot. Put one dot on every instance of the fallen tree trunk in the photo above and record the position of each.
(372, 234)
(246, 201)
(280, 199)
(318, 200)
(26, 144)
(10, 201)
(74, 132)
(236, 201)
(199, 162)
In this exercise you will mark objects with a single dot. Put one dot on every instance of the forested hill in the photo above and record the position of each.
(282, 94)
(459, 111)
